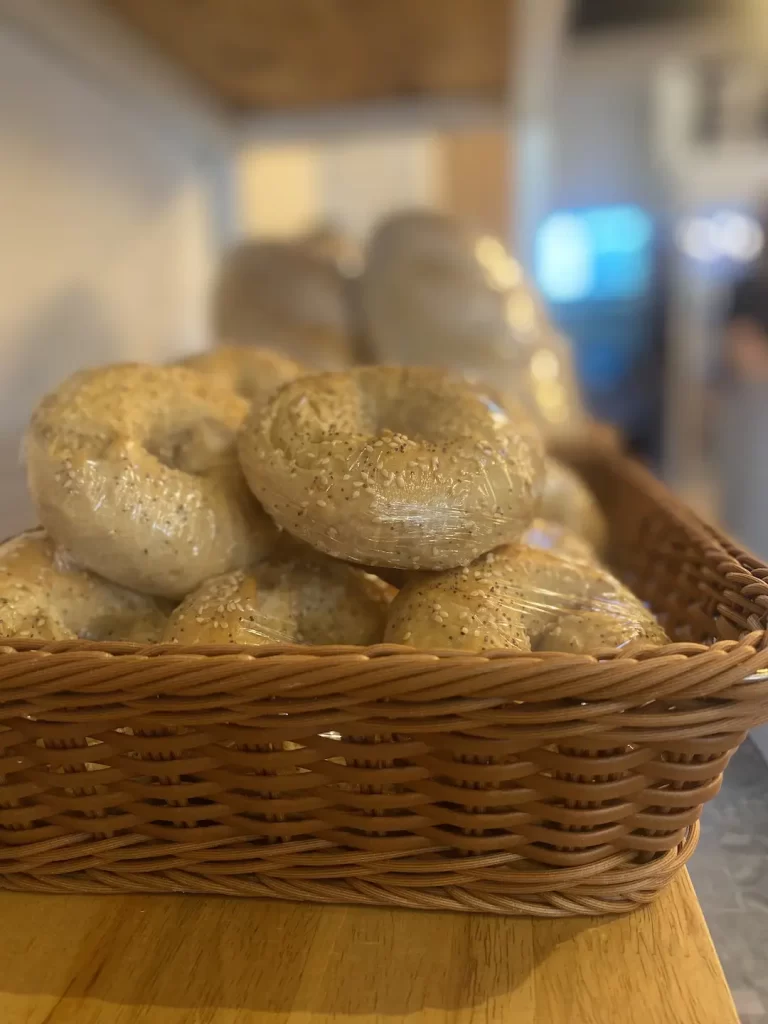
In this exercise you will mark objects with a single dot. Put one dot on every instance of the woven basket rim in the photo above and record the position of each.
(755, 642)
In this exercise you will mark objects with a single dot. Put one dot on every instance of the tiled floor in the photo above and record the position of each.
(730, 873)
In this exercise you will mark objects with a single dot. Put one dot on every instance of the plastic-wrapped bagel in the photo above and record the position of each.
(255, 373)
(294, 595)
(43, 595)
(283, 295)
(134, 470)
(567, 499)
(561, 540)
(436, 293)
(540, 534)
(396, 467)
(520, 597)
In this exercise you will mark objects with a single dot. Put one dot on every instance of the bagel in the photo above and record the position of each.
(436, 293)
(512, 598)
(295, 595)
(561, 540)
(45, 596)
(133, 470)
(584, 632)
(567, 500)
(253, 372)
(400, 468)
(540, 534)
(283, 295)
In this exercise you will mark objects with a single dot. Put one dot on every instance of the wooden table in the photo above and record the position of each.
(191, 960)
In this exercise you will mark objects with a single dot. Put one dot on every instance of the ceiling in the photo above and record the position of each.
(279, 55)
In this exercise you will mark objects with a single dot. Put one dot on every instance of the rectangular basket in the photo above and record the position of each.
(546, 784)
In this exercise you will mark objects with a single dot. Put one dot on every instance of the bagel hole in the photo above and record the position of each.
(196, 448)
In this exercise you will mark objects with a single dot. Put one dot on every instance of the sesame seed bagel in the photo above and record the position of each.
(540, 534)
(45, 596)
(255, 373)
(295, 595)
(515, 597)
(283, 294)
(549, 536)
(584, 632)
(567, 500)
(397, 467)
(133, 470)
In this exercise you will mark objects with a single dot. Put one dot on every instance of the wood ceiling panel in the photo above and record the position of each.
(301, 54)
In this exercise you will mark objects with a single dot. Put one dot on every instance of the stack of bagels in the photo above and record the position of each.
(243, 499)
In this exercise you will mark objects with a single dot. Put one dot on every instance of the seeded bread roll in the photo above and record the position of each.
(45, 596)
(283, 295)
(400, 468)
(435, 293)
(295, 595)
(567, 500)
(585, 632)
(133, 469)
(517, 597)
(253, 372)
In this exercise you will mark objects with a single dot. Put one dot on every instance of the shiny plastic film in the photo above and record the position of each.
(253, 372)
(44, 595)
(547, 535)
(566, 499)
(435, 293)
(407, 468)
(134, 470)
(523, 598)
(287, 296)
(293, 596)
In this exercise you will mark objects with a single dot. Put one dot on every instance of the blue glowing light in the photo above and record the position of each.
(601, 253)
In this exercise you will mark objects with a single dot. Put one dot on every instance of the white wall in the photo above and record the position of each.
(287, 188)
(106, 243)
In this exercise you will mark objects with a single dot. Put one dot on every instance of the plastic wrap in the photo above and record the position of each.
(560, 539)
(284, 296)
(434, 293)
(292, 596)
(134, 470)
(330, 243)
(253, 372)
(393, 467)
(547, 536)
(44, 595)
(523, 598)
(567, 500)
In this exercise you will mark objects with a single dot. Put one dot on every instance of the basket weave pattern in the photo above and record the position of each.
(546, 783)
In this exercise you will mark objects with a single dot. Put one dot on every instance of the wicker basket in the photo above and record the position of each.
(545, 784)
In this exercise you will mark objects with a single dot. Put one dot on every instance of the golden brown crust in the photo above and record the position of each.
(294, 595)
(254, 372)
(45, 596)
(133, 469)
(511, 598)
(395, 467)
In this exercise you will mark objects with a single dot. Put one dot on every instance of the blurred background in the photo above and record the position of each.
(618, 147)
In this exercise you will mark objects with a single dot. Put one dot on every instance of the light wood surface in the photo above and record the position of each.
(193, 960)
(263, 56)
